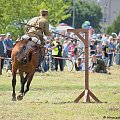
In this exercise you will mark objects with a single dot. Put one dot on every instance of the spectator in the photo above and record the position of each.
(111, 49)
(105, 53)
(93, 62)
(80, 64)
(80, 46)
(2, 50)
(9, 44)
(57, 52)
(97, 65)
(49, 54)
(104, 39)
(92, 47)
(99, 49)
(66, 48)
(73, 52)
(117, 57)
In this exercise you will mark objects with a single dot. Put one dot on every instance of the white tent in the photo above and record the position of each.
(51, 28)
(63, 28)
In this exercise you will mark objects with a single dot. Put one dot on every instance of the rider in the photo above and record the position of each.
(39, 26)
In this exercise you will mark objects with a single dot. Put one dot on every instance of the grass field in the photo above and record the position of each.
(52, 94)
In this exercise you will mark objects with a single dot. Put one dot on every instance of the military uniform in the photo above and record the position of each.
(39, 26)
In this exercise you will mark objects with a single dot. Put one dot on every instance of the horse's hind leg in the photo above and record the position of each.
(13, 85)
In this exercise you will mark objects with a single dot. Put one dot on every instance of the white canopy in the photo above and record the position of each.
(63, 28)
(51, 28)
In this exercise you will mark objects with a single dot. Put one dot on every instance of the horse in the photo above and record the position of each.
(25, 59)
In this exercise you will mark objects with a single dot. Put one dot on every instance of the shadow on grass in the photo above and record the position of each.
(65, 102)
(57, 87)
(47, 102)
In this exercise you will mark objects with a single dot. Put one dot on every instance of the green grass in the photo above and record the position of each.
(52, 94)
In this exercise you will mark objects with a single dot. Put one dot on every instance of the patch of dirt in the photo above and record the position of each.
(116, 92)
(113, 109)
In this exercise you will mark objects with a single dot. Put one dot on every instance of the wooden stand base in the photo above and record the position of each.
(87, 94)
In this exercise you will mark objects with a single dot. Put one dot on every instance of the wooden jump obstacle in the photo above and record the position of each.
(86, 93)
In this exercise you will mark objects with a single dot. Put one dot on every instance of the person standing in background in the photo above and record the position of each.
(99, 49)
(2, 51)
(105, 53)
(9, 44)
(66, 48)
(111, 50)
(92, 47)
(57, 52)
(104, 39)
(73, 50)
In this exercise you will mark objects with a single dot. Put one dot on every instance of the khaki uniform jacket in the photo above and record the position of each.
(40, 22)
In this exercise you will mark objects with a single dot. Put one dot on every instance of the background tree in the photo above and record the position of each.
(84, 11)
(115, 27)
(15, 12)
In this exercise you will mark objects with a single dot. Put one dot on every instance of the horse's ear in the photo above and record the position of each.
(30, 39)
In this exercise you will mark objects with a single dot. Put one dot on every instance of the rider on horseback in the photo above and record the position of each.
(37, 27)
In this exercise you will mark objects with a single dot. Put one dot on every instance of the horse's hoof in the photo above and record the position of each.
(14, 99)
(20, 97)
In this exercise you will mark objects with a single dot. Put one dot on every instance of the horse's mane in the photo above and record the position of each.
(15, 44)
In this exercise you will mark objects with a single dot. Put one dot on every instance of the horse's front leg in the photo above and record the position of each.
(23, 81)
(30, 77)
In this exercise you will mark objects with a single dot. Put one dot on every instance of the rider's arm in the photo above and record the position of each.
(47, 32)
(54, 46)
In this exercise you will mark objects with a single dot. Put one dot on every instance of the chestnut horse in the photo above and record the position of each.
(25, 59)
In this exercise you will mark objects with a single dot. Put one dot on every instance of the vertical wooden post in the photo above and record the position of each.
(86, 93)
(86, 62)
(86, 96)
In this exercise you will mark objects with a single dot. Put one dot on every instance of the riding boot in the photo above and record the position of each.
(41, 57)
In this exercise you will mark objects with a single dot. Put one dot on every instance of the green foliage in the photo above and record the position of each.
(56, 9)
(109, 30)
(85, 11)
(15, 12)
(115, 27)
